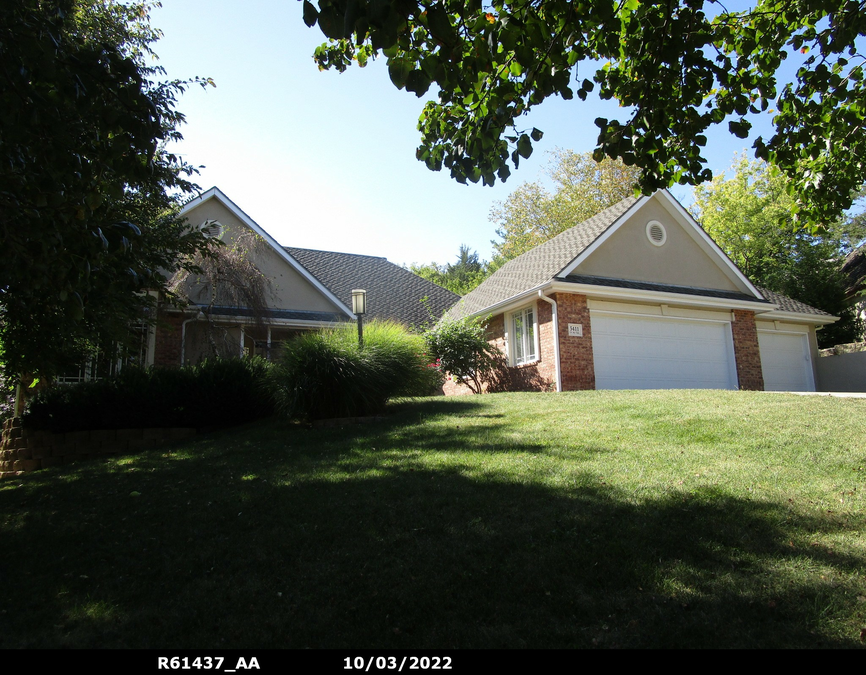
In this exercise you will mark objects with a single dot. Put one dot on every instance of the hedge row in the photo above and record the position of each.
(215, 393)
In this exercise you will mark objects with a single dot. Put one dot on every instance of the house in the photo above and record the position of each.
(640, 297)
(298, 290)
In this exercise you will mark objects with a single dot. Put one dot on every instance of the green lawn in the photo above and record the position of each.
(609, 519)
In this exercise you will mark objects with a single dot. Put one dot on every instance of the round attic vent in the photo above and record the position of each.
(656, 233)
(212, 229)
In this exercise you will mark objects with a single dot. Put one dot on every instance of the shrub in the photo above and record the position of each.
(214, 393)
(325, 374)
(460, 349)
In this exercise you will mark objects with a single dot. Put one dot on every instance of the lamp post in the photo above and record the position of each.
(359, 309)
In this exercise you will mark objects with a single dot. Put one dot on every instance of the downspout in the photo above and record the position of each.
(555, 339)
(198, 316)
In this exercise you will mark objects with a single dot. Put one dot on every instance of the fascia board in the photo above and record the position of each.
(798, 317)
(603, 237)
(215, 192)
(661, 297)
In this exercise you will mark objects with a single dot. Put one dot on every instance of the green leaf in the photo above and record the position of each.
(537, 134)
(524, 146)
(311, 14)
(740, 128)
(399, 69)
(418, 82)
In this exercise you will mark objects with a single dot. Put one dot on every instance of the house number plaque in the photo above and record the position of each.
(575, 330)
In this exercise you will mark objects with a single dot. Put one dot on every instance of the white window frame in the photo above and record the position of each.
(526, 343)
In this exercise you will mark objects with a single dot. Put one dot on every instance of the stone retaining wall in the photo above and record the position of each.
(23, 450)
(850, 348)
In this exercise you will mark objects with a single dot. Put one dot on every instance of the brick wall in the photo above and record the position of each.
(746, 351)
(578, 368)
(536, 376)
(575, 353)
(169, 329)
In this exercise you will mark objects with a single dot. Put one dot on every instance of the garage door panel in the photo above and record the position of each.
(786, 361)
(646, 353)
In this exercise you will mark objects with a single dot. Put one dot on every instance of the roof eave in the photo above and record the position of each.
(639, 295)
(504, 305)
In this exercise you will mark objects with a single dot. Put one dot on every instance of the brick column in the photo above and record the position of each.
(746, 351)
(575, 353)
(169, 329)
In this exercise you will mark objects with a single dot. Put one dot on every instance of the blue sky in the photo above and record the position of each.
(326, 160)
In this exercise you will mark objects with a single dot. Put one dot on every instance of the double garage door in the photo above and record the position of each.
(632, 352)
(662, 353)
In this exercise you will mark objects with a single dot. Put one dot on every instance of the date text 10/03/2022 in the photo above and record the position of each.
(398, 664)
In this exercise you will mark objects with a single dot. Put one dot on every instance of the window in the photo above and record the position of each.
(523, 345)
(102, 363)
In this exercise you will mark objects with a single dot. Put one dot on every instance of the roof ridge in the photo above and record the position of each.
(321, 250)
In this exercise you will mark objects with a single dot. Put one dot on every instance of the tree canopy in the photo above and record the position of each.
(458, 277)
(676, 68)
(749, 217)
(531, 214)
(88, 193)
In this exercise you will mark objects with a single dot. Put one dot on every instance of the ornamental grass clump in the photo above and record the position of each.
(327, 375)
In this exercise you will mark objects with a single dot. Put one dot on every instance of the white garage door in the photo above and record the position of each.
(786, 362)
(648, 353)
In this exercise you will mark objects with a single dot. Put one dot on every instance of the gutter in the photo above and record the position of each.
(552, 302)
(797, 317)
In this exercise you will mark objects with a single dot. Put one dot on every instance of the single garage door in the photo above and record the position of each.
(786, 361)
(649, 353)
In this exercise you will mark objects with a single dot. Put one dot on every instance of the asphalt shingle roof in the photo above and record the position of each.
(539, 265)
(392, 292)
(787, 304)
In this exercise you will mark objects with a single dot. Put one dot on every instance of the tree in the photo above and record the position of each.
(531, 215)
(749, 217)
(460, 277)
(677, 69)
(88, 193)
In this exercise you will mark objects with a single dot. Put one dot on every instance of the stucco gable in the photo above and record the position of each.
(687, 257)
(291, 285)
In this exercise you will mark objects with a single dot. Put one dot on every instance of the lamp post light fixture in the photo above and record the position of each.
(359, 309)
